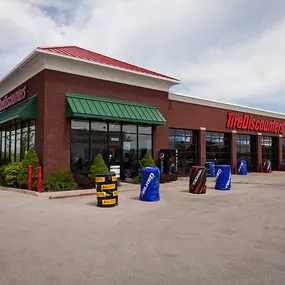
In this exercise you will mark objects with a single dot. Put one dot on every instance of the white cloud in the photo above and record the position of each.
(227, 50)
(252, 69)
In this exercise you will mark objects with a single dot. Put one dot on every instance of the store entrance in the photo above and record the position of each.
(246, 150)
(218, 148)
(115, 147)
(269, 151)
(185, 142)
(130, 154)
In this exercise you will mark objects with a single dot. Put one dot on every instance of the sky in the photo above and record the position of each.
(227, 50)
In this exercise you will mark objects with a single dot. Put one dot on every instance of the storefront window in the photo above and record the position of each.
(145, 141)
(18, 143)
(99, 140)
(24, 139)
(130, 166)
(114, 128)
(217, 147)
(185, 142)
(121, 145)
(145, 145)
(3, 146)
(129, 129)
(80, 146)
(115, 145)
(31, 134)
(147, 130)
(16, 140)
(13, 144)
(283, 148)
(246, 150)
(8, 144)
(269, 150)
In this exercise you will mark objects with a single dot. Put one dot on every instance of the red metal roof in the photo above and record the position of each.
(80, 53)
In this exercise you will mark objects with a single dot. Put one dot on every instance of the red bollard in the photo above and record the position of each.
(40, 179)
(30, 179)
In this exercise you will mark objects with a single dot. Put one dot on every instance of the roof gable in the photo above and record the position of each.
(83, 54)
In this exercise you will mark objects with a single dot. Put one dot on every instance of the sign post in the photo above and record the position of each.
(39, 179)
(30, 180)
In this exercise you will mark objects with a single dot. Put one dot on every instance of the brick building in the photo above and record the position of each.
(72, 104)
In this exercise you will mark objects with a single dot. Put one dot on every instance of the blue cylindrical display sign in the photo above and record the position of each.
(150, 184)
(241, 167)
(223, 177)
(210, 169)
(283, 165)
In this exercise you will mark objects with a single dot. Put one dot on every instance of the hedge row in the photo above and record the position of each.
(15, 174)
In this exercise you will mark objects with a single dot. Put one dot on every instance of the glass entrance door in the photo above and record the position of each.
(115, 144)
(246, 150)
(218, 147)
(269, 150)
(130, 154)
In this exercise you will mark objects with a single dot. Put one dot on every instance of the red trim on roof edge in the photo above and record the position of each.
(80, 53)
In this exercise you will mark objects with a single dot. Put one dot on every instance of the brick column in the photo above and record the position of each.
(202, 146)
(258, 153)
(160, 140)
(280, 152)
(233, 149)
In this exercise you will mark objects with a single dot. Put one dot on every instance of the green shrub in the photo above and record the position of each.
(35, 185)
(61, 179)
(147, 161)
(31, 159)
(2, 176)
(11, 172)
(173, 176)
(98, 166)
(136, 180)
(164, 178)
(83, 181)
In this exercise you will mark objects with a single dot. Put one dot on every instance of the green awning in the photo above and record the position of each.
(26, 109)
(91, 107)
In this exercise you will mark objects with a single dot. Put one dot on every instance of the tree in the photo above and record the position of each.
(147, 161)
(98, 166)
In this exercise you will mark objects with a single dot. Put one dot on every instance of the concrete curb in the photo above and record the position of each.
(22, 191)
(72, 195)
(61, 194)
(51, 195)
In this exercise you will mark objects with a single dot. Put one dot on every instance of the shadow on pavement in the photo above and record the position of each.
(135, 198)
(92, 204)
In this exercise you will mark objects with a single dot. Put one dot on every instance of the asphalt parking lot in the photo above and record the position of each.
(223, 237)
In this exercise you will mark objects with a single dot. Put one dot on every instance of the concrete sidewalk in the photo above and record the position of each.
(274, 178)
(68, 194)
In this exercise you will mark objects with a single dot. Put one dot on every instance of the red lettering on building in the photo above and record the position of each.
(14, 98)
(247, 122)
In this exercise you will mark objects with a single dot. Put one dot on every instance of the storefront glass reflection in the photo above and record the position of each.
(16, 140)
(121, 145)
(269, 150)
(185, 141)
(246, 150)
(217, 148)
(80, 146)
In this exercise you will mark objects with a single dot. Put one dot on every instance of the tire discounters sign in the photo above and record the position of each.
(247, 122)
(13, 98)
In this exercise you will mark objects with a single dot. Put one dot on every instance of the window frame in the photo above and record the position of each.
(109, 134)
